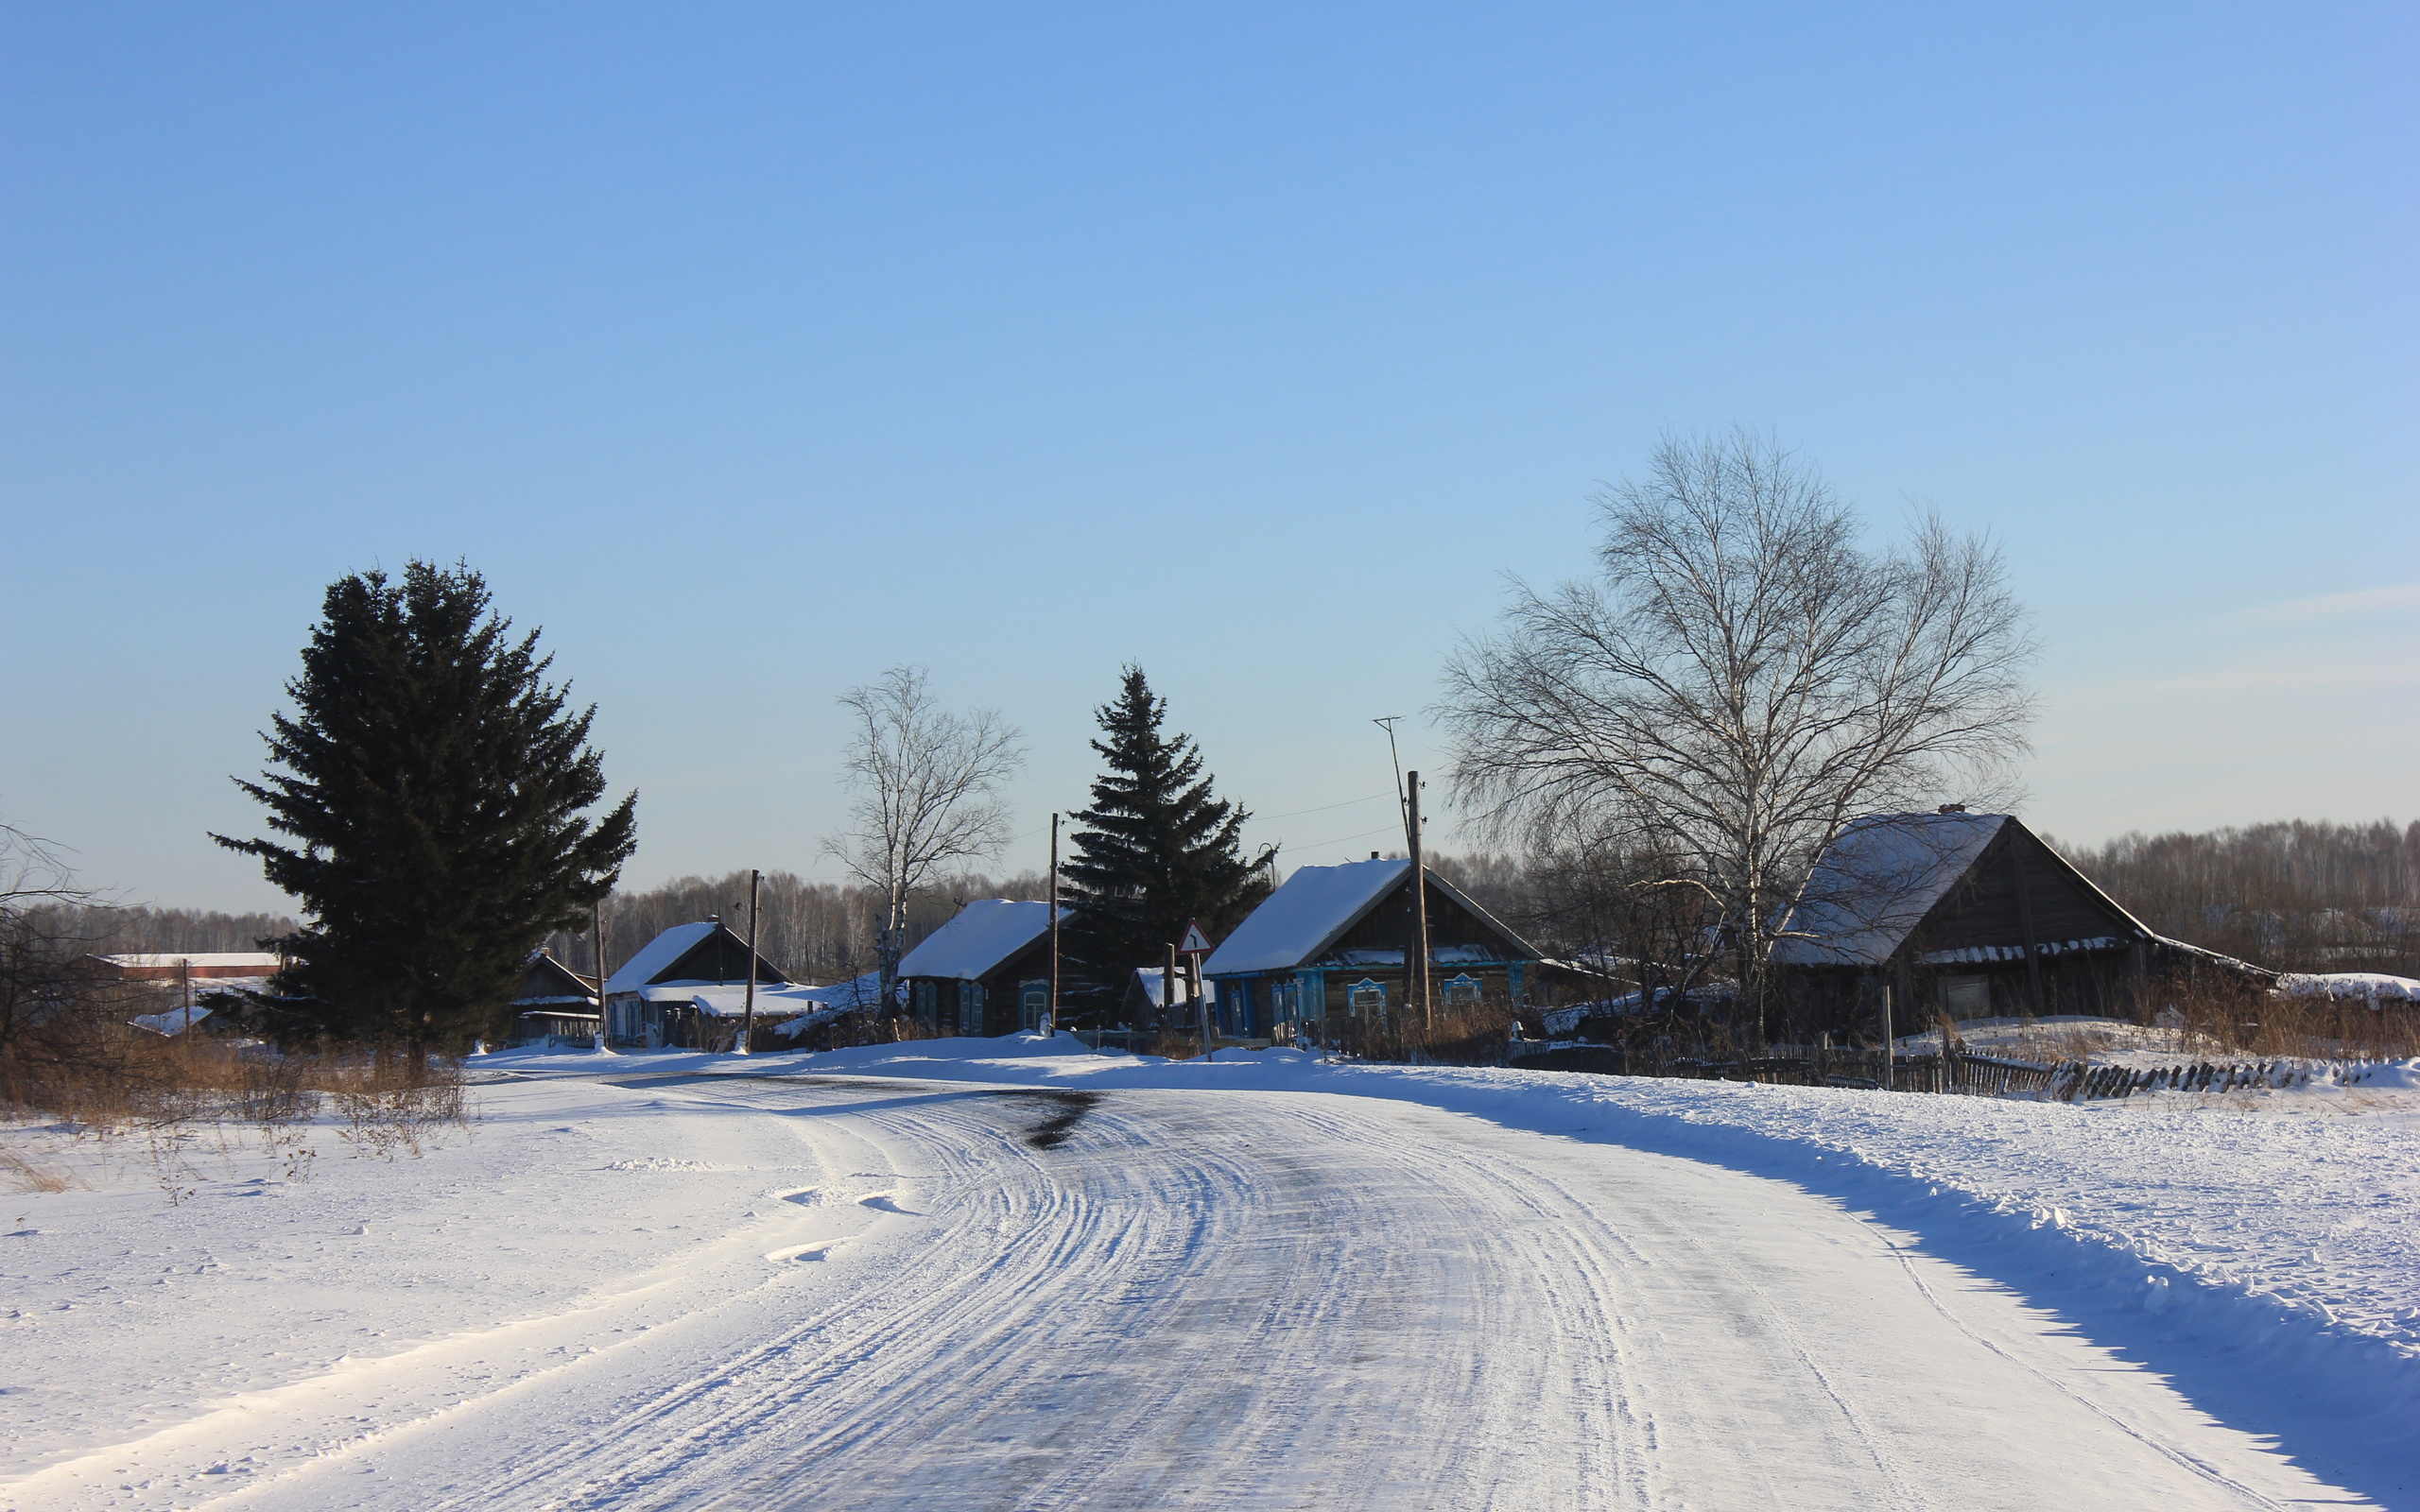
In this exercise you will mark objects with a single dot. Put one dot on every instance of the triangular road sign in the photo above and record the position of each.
(1195, 942)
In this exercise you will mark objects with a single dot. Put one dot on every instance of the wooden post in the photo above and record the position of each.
(1202, 1006)
(1418, 977)
(1051, 1025)
(596, 939)
(1168, 989)
(748, 1019)
(1887, 1085)
(184, 975)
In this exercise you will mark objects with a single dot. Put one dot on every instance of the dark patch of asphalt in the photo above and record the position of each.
(1067, 1109)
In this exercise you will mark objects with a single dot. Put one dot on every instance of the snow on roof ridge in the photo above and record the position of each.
(658, 954)
(1305, 915)
(984, 933)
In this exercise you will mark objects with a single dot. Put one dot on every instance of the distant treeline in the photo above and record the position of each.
(95, 930)
(2298, 897)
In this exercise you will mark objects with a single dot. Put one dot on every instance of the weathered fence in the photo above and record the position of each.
(1962, 1073)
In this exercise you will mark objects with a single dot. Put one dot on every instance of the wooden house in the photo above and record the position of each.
(1968, 915)
(987, 972)
(554, 1000)
(1334, 942)
(660, 996)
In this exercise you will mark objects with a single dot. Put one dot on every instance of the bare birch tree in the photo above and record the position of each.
(1740, 679)
(928, 783)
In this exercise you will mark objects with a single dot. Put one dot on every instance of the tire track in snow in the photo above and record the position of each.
(1294, 1300)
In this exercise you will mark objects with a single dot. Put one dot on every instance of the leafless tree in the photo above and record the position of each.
(928, 783)
(1740, 678)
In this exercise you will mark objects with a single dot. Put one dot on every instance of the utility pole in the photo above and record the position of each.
(1419, 977)
(597, 940)
(1388, 723)
(1051, 1025)
(184, 975)
(747, 1020)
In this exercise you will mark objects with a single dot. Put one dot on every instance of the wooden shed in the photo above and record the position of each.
(1334, 942)
(1968, 915)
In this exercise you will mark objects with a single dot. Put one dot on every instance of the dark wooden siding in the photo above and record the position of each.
(721, 956)
(1987, 908)
(1388, 926)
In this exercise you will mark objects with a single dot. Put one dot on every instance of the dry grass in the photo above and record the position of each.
(186, 1099)
(1464, 1035)
(2213, 1015)
(20, 1174)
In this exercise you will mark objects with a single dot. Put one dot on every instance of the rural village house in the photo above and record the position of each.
(554, 1000)
(1333, 942)
(1967, 915)
(987, 972)
(688, 987)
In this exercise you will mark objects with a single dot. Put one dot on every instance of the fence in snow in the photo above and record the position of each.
(1979, 1075)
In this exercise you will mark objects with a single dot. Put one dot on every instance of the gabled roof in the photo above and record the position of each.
(1884, 873)
(550, 981)
(1303, 919)
(657, 962)
(985, 933)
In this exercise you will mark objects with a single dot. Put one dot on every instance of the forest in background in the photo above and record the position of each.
(2294, 897)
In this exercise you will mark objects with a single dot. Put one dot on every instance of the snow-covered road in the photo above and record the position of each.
(1139, 1297)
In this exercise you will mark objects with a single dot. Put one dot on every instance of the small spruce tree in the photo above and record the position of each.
(1154, 853)
(432, 791)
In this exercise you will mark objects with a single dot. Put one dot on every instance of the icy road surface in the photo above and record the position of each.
(1134, 1298)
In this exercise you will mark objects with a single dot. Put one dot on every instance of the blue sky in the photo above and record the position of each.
(751, 351)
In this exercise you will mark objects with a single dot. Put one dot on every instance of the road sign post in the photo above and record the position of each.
(1194, 946)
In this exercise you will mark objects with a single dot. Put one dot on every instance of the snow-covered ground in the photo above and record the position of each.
(1011, 1274)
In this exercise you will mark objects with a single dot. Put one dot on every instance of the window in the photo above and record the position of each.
(1462, 992)
(1033, 1003)
(928, 1000)
(970, 1007)
(1967, 997)
(1366, 997)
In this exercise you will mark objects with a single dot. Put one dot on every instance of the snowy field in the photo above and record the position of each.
(1009, 1273)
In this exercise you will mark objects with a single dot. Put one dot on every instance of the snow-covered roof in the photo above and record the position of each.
(2371, 986)
(174, 1021)
(856, 993)
(985, 933)
(198, 960)
(1876, 882)
(1148, 978)
(731, 1001)
(658, 955)
(1302, 917)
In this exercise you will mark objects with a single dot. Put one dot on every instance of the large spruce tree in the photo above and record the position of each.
(1154, 852)
(433, 792)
